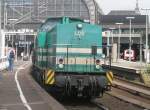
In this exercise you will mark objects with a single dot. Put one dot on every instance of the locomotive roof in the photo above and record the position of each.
(51, 22)
(60, 18)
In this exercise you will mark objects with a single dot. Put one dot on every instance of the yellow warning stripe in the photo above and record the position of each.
(50, 79)
(49, 73)
(109, 76)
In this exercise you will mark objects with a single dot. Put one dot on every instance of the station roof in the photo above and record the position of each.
(32, 13)
(112, 19)
(123, 12)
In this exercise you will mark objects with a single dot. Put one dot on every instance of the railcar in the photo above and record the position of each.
(68, 58)
(128, 54)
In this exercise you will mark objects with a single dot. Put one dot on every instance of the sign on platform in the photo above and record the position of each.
(24, 43)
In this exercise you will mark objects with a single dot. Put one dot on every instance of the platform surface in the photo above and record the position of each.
(135, 67)
(18, 91)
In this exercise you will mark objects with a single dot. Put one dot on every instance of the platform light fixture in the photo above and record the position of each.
(130, 40)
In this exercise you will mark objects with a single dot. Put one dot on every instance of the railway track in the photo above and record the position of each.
(106, 103)
(83, 105)
(99, 105)
(131, 92)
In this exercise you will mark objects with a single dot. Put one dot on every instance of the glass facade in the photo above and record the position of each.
(29, 12)
(39, 10)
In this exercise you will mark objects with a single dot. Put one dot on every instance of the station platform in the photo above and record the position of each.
(18, 91)
(135, 69)
(123, 65)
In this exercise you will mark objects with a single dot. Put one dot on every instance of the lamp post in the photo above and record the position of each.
(147, 30)
(130, 21)
(112, 35)
(13, 28)
(0, 28)
(16, 51)
(108, 43)
(141, 49)
(119, 24)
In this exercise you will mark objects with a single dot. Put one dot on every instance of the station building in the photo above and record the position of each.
(116, 28)
(22, 18)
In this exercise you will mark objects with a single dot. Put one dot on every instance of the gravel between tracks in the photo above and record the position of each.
(108, 101)
(116, 104)
(79, 104)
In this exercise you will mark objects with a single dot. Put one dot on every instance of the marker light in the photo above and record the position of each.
(97, 62)
(61, 61)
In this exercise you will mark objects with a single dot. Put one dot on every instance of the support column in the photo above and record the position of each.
(2, 43)
(0, 30)
(114, 53)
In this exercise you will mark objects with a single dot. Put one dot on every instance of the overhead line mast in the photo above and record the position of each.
(137, 9)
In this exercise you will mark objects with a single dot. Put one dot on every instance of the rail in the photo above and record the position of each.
(131, 92)
(99, 105)
(131, 86)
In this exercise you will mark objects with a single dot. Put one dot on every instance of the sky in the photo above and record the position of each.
(107, 5)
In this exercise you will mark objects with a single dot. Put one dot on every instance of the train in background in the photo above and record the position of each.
(129, 53)
(67, 58)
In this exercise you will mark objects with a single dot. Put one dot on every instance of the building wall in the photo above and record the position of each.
(137, 27)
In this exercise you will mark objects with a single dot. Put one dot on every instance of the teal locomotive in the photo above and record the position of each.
(68, 57)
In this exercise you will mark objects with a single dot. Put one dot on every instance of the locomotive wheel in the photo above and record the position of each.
(90, 90)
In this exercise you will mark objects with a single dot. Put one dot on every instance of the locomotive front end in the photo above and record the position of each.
(79, 60)
(72, 60)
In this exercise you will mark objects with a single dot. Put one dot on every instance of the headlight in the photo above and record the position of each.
(97, 66)
(61, 66)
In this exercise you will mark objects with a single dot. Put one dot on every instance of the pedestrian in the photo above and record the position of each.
(11, 57)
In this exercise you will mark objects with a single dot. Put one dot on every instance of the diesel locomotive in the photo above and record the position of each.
(67, 58)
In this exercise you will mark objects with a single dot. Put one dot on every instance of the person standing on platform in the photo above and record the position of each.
(11, 57)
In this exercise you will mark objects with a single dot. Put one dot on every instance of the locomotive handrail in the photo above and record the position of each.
(78, 44)
(65, 44)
